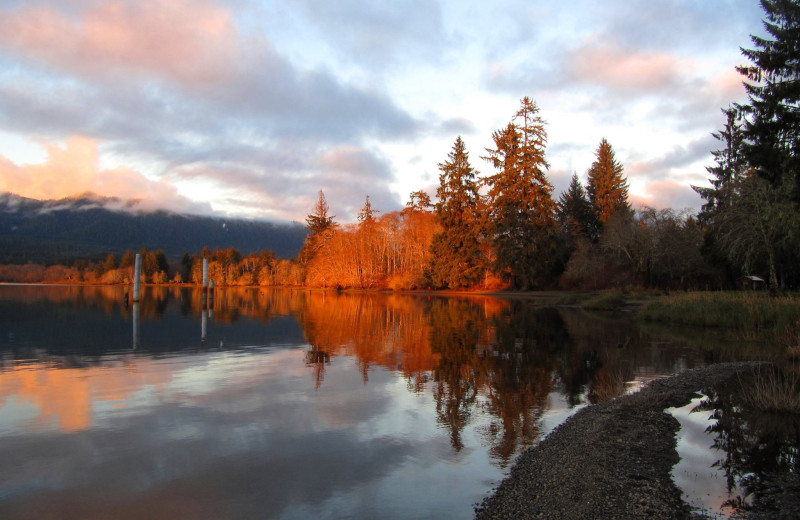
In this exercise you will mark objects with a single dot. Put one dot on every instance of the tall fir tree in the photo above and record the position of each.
(750, 222)
(607, 187)
(456, 250)
(772, 125)
(729, 169)
(521, 210)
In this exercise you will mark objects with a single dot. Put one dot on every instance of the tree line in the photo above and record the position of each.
(506, 230)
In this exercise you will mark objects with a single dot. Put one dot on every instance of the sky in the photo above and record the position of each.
(247, 108)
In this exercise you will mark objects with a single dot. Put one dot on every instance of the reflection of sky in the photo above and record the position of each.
(558, 411)
(248, 433)
(704, 487)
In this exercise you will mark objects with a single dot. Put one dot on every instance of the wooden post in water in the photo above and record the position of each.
(137, 276)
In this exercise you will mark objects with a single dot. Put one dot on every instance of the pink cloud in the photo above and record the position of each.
(183, 40)
(74, 168)
(619, 69)
(666, 194)
(727, 85)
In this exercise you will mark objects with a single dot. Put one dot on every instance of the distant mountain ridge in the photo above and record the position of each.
(91, 226)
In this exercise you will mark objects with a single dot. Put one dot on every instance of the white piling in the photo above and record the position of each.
(211, 293)
(205, 273)
(137, 276)
(203, 325)
(135, 325)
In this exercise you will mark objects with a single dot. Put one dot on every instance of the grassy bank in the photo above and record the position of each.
(741, 315)
(733, 310)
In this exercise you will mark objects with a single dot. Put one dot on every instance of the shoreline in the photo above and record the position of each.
(614, 460)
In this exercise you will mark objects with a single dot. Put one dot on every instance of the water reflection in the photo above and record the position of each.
(335, 404)
(757, 447)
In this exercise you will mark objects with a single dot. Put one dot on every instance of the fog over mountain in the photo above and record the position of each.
(91, 226)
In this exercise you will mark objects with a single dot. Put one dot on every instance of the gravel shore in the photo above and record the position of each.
(610, 460)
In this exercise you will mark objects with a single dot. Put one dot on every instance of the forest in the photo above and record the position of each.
(505, 229)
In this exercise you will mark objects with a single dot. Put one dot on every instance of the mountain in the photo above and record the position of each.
(89, 226)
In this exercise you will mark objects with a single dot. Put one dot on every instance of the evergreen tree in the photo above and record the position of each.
(367, 215)
(575, 213)
(772, 127)
(728, 171)
(608, 188)
(456, 255)
(318, 223)
(750, 214)
(750, 222)
(521, 211)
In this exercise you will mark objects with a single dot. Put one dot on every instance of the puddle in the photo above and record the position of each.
(703, 483)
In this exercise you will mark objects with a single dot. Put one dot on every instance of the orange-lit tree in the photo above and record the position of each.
(318, 224)
(521, 210)
(607, 187)
(456, 258)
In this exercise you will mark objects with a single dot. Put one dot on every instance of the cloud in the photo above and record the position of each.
(350, 175)
(669, 62)
(612, 68)
(679, 157)
(682, 25)
(379, 33)
(178, 66)
(178, 86)
(75, 168)
(454, 126)
(279, 186)
(666, 194)
(187, 41)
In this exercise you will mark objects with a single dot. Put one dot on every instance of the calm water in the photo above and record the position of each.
(289, 404)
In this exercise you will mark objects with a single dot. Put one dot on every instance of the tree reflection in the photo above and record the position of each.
(486, 355)
(520, 374)
(759, 448)
(318, 358)
(377, 329)
(458, 325)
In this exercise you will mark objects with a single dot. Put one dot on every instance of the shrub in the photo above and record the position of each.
(772, 389)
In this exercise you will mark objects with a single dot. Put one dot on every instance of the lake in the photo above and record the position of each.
(274, 403)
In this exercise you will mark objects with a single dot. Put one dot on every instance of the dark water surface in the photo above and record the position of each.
(290, 404)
